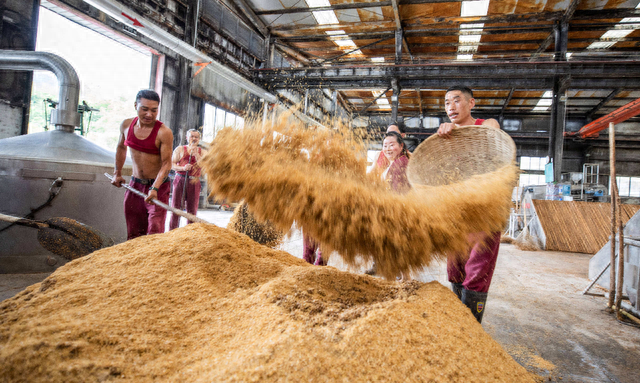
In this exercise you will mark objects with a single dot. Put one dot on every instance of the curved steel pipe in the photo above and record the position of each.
(65, 116)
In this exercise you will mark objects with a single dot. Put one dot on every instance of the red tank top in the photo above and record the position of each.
(148, 145)
(195, 170)
(479, 121)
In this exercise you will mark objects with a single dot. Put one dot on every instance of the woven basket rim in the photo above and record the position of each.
(486, 136)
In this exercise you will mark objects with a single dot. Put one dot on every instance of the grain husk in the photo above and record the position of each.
(317, 179)
(263, 232)
(168, 308)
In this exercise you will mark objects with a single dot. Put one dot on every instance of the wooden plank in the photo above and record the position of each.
(578, 227)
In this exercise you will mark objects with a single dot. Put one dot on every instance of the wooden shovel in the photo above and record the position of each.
(172, 209)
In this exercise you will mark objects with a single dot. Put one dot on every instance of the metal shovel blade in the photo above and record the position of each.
(71, 239)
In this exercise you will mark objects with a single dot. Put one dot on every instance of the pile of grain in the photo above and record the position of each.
(318, 180)
(225, 309)
(243, 221)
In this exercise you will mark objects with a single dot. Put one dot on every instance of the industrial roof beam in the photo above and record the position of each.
(543, 46)
(422, 32)
(420, 100)
(352, 50)
(610, 97)
(506, 103)
(549, 17)
(497, 83)
(338, 7)
(253, 18)
(362, 76)
(292, 52)
(400, 38)
(373, 102)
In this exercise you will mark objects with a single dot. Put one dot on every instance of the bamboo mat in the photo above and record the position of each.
(578, 227)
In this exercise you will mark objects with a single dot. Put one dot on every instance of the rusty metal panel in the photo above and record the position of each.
(371, 14)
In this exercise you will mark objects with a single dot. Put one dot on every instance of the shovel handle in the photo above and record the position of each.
(22, 221)
(154, 201)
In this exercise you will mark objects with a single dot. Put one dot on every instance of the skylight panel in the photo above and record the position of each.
(318, 3)
(601, 45)
(544, 103)
(616, 33)
(345, 43)
(474, 8)
(470, 38)
(468, 43)
(474, 27)
(325, 17)
(620, 30)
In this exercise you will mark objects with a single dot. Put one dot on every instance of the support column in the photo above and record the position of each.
(306, 101)
(561, 31)
(557, 123)
(398, 46)
(180, 122)
(395, 99)
(334, 107)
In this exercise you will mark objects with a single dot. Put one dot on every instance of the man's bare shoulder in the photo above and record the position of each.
(126, 123)
(178, 150)
(492, 122)
(165, 133)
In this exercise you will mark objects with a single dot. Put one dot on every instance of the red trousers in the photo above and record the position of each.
(476, 272)
(192, 199)
(144, 218)
(310, 248)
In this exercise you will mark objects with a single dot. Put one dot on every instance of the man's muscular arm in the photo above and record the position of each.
(165, 136)
(121, 155)
(175, 159)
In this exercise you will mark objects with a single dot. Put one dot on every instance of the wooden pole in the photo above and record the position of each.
(614, 192)
(620, 280)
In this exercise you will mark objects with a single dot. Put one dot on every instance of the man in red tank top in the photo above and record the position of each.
(470, 277)
(151, 143)
(184, 162)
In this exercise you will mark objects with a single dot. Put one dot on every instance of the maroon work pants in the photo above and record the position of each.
(191, 200)
(310, 248)
(476, 272)
(144, 218)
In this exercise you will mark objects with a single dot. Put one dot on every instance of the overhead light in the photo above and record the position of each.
(464, 57)
(377, 59)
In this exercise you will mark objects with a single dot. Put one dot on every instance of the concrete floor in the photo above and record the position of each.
(535, 310)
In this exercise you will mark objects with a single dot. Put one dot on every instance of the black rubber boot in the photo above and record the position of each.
(475, 301)
(457, 289)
